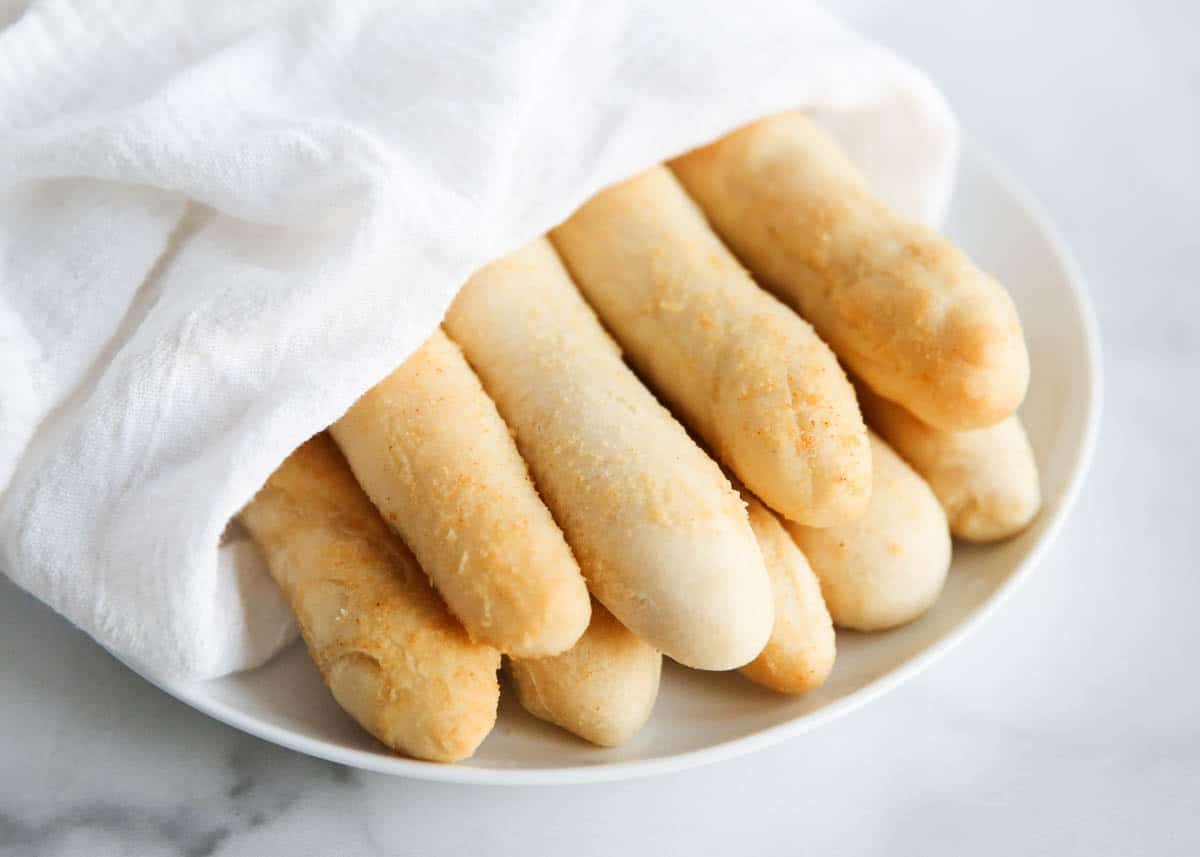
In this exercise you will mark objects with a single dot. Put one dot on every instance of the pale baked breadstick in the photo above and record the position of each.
(903, 309)
(801, 651)
(887, 567)
(602, 689)
(986, 479)
(749, 376)
(392, 654)
(660, 534)
(429, 448)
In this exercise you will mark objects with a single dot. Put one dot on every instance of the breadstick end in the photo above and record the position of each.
(440, 729)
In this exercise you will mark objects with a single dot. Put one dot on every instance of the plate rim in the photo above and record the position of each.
(772, 735)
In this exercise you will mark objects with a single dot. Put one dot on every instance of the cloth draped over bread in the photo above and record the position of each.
(220, 224)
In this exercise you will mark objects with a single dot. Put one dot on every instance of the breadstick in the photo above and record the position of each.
(660, 534)
(986, 479)
(800, 653)
(394, 657)
(749, 376)
(887, 567)
(902, 308)
(431, 451)
(603, 689)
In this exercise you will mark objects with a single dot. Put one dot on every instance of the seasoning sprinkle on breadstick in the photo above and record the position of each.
(429, 448)
(661, 536)
(749, 376)
(903, 309)
(393, 656)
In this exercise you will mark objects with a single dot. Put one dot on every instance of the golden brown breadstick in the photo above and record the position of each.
(903, 309)
(392, 654)
(750, 377)
(429, 448)
(887, 567)
(800, 653)
(986, 479)
(602, 689)
(660, 534)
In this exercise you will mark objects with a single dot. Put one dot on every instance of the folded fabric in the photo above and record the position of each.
(221, 223)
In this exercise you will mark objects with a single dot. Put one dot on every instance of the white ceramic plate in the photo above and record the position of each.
(703, 717)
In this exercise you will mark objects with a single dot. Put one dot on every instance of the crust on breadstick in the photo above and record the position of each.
(391, 653)
(661, 536)
(749, 376)
(904, 310)
(432, 453)
(602, 689)
(986, 479)
(800, 654)
(888, 567)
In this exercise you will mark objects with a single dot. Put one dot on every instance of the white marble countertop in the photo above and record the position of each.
(1068, 725)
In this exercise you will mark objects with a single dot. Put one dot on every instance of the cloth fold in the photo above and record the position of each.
(221, 223)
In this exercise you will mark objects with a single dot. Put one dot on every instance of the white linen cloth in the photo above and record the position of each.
(221, 223)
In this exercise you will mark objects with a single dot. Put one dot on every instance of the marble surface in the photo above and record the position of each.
(1068, 725)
